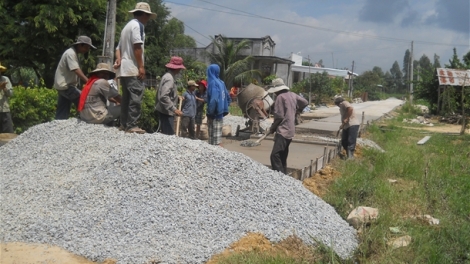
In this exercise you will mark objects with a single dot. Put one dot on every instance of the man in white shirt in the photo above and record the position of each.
(6, 91)
(130, 66)
(67, 74)
(350, 126)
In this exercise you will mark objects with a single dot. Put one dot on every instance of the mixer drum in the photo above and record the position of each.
(250, 92)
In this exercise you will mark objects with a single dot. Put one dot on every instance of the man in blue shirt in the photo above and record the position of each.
(189, 111)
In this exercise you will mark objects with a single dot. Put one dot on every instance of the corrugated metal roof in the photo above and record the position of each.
(453, 77)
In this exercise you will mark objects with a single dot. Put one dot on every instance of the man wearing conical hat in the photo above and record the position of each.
(6, 91)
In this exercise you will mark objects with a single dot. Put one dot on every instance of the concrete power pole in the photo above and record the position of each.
(109, 33)
(411, 74)
(309, 82)
(351, 76)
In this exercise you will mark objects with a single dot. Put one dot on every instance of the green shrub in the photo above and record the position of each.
(30, 107)
(33, 106)
(148, 119)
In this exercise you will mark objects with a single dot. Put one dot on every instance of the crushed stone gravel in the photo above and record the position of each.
(102, 193)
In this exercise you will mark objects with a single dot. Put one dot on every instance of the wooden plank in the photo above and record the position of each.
(424, 140)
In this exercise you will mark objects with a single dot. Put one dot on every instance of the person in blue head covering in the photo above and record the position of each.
(218, 101)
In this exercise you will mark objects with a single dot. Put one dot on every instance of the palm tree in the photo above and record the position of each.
(234, 68)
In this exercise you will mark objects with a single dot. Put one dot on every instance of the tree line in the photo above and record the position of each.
(35, 34)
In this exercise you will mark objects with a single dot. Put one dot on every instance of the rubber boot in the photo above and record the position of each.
(350, 154)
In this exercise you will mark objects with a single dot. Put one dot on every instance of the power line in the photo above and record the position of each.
(197, 31)
(244, 13)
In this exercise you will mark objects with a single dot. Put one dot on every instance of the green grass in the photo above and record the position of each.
(235, 110)
(254, 257)
(433, 179)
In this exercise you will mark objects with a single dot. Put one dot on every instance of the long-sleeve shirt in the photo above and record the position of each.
(167, 95)
(4, 94)
(189, 104)
(285, 107)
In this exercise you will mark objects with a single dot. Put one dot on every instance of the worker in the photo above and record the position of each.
(130, 66)
(201, 101)
(285, 108)
(167, 96)
(218, 101)
(6, 91)
(189, 110)
(95, 96)
(234, 92)
(350, 126)
(66, 77)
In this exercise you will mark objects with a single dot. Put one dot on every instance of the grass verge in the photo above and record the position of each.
(432, 179)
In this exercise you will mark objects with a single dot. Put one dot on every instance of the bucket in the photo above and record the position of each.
(203, 134)
(227, 131)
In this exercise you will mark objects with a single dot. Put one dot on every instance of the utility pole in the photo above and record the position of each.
(351, 76)
(411, 74)
(109, 33)
(309, 82)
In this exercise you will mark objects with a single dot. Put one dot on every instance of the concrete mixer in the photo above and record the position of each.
(255, 104)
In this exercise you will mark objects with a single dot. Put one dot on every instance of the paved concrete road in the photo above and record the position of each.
(330, 121)
(301, 154)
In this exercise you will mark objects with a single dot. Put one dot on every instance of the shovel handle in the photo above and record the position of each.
(178, 120)
(262, 137)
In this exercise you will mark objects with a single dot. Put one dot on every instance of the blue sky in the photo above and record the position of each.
(368, 32)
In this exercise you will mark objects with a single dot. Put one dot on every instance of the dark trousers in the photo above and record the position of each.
(132, 93)
(167, 124)
(349, 137)
(187, 127)
(6, 125)
(279, 153)
(65, 100)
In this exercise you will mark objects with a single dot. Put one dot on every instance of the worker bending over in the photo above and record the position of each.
(350, 126)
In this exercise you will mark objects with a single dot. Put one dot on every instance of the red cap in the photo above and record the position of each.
(204, 83)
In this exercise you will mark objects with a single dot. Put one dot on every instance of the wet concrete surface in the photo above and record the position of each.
(324, 121)
(300, 154)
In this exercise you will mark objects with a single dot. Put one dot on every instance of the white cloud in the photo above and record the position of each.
(367, 52)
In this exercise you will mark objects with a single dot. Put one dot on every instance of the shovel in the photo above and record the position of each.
(339, 132)
(250, 143)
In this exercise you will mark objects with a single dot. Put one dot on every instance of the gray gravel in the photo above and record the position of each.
(102, 193)
(240, 120)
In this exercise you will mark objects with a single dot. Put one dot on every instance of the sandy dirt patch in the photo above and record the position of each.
(23, 253)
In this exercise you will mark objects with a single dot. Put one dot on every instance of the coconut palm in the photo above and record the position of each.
(234, 67)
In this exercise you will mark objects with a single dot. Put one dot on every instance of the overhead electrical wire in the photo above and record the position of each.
(244, 13)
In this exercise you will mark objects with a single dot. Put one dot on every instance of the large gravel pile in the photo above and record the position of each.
(102, 193)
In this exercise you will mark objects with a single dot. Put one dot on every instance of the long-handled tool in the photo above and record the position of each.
(178, 119)
(250, 143)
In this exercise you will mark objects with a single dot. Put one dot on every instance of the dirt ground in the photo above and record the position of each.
(23, 253)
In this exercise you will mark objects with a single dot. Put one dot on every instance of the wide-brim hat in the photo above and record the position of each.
(338, 100)
(175, 63)
(104, 67)
(84, 40)
(192, 83)
(278, 85)
(2, 68)
(144, 7)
